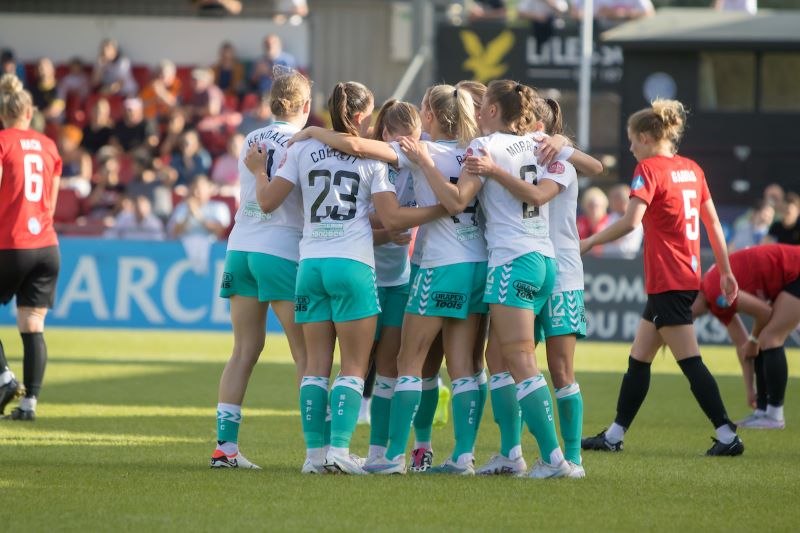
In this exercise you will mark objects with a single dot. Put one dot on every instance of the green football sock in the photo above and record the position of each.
(570, 414)
(483, 394)
(380, 410)
(229, 416)
(345, 404)
(507, 414)
(537, 410)
(465, 407)
(423, 421)
(405, 402)
(313, 409)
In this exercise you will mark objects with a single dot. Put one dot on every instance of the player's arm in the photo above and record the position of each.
(739, 336)
(708, 214)
(351, 144)
(53, 192)
(536, 195)
(454, 197)
(396, 218)
(629, 221)
(551, 147)
(270, 193)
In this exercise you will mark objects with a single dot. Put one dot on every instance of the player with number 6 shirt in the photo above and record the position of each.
(670, 197)
(29, 256)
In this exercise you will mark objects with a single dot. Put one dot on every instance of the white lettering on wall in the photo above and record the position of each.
(170, 298)
(128, 289)
(84, 286)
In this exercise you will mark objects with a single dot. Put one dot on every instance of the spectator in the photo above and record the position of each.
(216, 8)
(9, 65)
(192, 159)
(107, 190)
(775, 196)
(787, 231)
(747, 6)
(542, 15)
(226, 167)
(45, 91)
(199, 215)
(616, 10)
(176, 125)
(259, 117)
(594, 205)
(112, 72)
(292, 10)
(629, 245)
(229, 71)
(261, 78)
(76, 172)
(206, 99)
(136, 221)
(97, 133)
(162, 94)
(153, 180)
(133, 130)
(75, 82)
(487, 10)
(751, 230)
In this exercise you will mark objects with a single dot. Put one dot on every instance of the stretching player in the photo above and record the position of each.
(769, 291)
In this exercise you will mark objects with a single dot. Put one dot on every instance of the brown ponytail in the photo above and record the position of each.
(346, 100)
(517, 104)
(397, 118)
(663, 120)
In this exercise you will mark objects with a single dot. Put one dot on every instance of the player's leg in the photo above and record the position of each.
(434, 407)
(784, 319)
(385, 381)
(13, 269)
(560, 355)
(284, 310)
(248, 317)
(478, 364)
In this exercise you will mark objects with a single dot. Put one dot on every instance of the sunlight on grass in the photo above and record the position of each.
(84, 410)
(60, 372)
(34, 437)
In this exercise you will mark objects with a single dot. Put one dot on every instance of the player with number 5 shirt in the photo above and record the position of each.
(29, 257)
(669, 196)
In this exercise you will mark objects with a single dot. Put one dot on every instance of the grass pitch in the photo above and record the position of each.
(126, 425)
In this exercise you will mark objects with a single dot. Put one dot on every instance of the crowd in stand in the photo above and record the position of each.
(150, 154)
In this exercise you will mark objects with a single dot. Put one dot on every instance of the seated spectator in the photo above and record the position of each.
(199, 215)
(45, 91)
(775, 196)
(751, 230)
(259, 117)
(107, 189)
(487, 10)
(76, 172)
(97, 133)
(136, 221)
(133, 130)
(629, 245)
(206, 99)
(594, 205)
(75, 82)
(616, 10)
(542, 15)
(153, 180)
(226, 167)
(191, 160)
(274, 55)
(787, 231)
(112, 72)
(229, 71)
(746, 6)
(176, 125)
(9, 65)
(162, 94)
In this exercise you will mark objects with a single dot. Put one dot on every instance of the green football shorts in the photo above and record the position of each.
(335, 289)
(256, 275)
(452, 291)
(525, 282)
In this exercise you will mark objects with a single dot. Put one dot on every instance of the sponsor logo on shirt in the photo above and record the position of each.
(556, 167)
(301, 303)
(253, 210)
(525, 291)
(328, 230)
(227, 278)
(449, 300)
(469, 152)
(637, 183)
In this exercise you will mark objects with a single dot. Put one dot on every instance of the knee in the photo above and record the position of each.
(769, 339)
(31, 320)
(561, 378)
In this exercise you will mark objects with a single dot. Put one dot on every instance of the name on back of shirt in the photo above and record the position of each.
(270, 135)
(332, 153)
(520, 147)
(31, 144)
(683, 176)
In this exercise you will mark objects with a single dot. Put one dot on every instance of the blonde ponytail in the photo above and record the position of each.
(663, 120)
(15, 101)
(454, 111)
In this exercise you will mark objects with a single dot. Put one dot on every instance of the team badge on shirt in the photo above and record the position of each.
(556, 167)
(722, 302)
(637, 183)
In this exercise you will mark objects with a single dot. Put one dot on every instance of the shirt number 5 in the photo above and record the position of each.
(691, 214)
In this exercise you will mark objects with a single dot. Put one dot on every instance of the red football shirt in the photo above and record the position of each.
(30, 162)
(762, 271)
(674, 188)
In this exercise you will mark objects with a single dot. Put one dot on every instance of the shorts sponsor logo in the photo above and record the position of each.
(301, 304)
(227, 279)
(556, 167)
(525, 291)
(449, 300)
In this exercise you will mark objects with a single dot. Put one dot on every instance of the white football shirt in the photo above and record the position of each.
(448, 240)
(337, 189)
(563, 229)
(277, 233)
(392, 267)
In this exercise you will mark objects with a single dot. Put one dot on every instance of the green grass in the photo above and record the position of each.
(126, 425)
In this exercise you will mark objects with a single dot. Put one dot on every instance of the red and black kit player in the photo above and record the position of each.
(29, 257)
(769, 291)
(669, 196)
